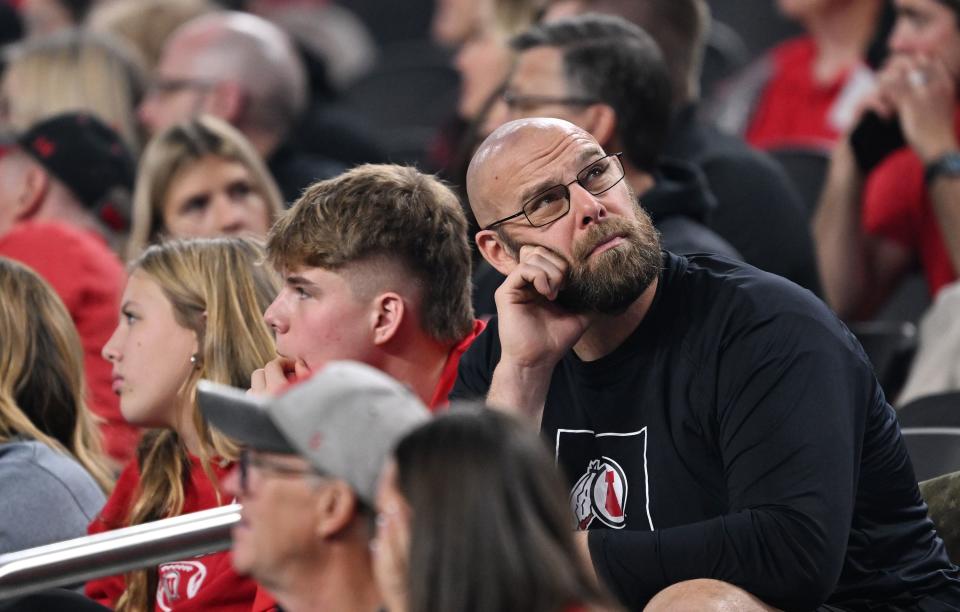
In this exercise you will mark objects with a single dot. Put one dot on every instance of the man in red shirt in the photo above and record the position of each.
(376, 268)
(873, 224)
(64, 189)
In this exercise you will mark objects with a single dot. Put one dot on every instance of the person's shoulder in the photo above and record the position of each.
(744, 290)
(799, 50)
(33, 465)
(34, 241)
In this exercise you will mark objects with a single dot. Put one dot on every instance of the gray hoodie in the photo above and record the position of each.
(45, 496)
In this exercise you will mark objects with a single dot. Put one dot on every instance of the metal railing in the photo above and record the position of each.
(75, 561)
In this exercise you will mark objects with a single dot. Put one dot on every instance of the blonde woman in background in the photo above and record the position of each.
(49, 449)
(73, 71)
(190, 310)
(201, 178)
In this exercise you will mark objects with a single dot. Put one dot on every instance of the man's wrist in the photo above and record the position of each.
(520, 388)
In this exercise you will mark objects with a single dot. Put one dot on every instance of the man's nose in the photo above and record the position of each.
(586, 206)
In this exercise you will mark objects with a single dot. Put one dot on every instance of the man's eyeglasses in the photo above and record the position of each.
(519, 102)
(553, 203)
(249, 458)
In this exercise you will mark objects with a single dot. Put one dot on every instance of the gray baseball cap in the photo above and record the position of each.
(344, 420)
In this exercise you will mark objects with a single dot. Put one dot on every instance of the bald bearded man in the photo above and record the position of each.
(724, 437)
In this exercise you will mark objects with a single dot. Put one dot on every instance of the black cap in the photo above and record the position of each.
(90, 159)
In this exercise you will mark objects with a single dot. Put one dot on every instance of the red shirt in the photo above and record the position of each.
(793, 109)
(896, 206)
(264, 602)
(89, 279)
(190, 585)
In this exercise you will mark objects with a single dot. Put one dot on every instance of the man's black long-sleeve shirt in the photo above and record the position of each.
(738, 434)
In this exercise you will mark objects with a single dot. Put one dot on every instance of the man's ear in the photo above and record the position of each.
(497, 254)
(33, 191)
(601, 121)
(226, 100)
(336, 507)
(388, 312)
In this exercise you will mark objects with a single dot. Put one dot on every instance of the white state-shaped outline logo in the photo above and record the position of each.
(578, 501)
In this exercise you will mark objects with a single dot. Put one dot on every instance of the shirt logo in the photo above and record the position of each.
(170, 590)
(608, 471)
(601, 493)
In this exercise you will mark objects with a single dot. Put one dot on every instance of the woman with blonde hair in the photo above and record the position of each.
(201, 178)
(73, 71)
(190, 310)
(49, 449)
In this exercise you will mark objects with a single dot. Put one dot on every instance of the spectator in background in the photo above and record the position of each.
(804, 92)
(73, 71)
(472, 515)
(190, 310)
(308, 479)
(244, 70)
(480, 32)
(50, 463)
(886, 206)
(201, 178)
(64, 192)
(763, 218)
(145, 24)
(44, 17)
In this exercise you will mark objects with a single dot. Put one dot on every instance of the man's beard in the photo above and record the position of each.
(615, 278)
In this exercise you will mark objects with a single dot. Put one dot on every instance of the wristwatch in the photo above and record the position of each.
(947, 164)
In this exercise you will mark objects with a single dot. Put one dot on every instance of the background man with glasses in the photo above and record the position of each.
(246, 71)
(307, 481)
(723, 435)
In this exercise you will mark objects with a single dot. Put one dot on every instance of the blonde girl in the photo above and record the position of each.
(190, 310)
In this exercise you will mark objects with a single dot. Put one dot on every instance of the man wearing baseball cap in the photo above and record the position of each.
(65, 185)
(307, 480)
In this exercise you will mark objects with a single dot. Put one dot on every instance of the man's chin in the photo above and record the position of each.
(241, 551)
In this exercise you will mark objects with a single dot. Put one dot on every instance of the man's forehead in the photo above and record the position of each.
(528, 161)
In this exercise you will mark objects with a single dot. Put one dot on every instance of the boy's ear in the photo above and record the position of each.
(386, 316)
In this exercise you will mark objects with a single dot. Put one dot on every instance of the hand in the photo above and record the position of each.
(391, 553)
(277, 375)
(924, 95)
(535, 332)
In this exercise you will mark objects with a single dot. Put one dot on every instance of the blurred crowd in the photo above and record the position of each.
(706, 248)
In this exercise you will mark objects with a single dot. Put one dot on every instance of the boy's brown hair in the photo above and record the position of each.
(388, 212)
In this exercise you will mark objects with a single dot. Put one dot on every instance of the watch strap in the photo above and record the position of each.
(947, 164)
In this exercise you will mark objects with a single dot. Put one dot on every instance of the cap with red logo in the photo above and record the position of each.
(90, 159)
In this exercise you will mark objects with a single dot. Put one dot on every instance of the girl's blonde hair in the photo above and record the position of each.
(219, 288)
(176, 148)
(76, 71)
(41, 371)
